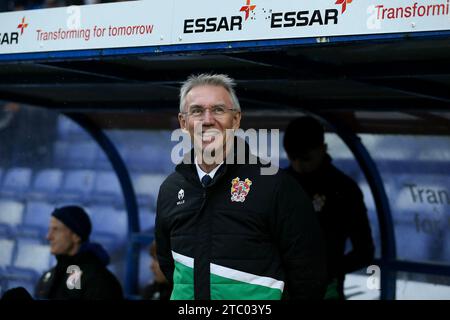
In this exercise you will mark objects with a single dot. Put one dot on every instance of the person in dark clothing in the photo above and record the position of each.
(337, 200)
(160, 288)
(224, 229)
(17, 294)
(80, 272)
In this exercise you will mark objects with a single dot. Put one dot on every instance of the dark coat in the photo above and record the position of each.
(96, 281)
(339, 205)
(214, 245)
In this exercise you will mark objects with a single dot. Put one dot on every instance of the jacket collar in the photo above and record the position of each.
(88, 252)
(188, 170)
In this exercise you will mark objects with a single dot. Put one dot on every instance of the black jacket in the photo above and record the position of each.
(97, 282)
(342, 214)
(216, 245)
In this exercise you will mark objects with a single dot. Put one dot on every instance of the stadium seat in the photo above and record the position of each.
(147, 188)
(37, 213)
(81, 155)
(32, 256)
(146, 219)
(6, 252)
(411, 243)
(110, 242)
(150, 152)
(142, 158)
(11, 215)
(60, 149)
(145, 274)
(20, 277)
(70, 130)
(36, 219)
(166, 165)
(6, 231)
(16, 183)
(109, 227)
(46, 184)
(106, 219)
(107, 189)
(77, 186)
(101, 161)
(145, 151)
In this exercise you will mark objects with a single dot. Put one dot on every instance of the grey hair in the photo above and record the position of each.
(221, 80)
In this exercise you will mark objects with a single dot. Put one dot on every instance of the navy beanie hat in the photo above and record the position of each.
(76, 219)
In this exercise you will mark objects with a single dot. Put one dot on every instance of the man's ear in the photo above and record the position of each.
(183, 122)
(237, 120)
(76, 238)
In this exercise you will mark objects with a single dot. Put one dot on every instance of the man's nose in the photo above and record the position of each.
(208, 117)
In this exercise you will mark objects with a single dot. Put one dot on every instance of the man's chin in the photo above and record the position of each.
(54, 251)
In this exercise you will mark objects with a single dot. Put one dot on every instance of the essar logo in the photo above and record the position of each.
(247, 9)
(217, 24)
(343, 3)
(22, 26)
(8, 38)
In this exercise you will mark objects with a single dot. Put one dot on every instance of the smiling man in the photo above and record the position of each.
(223, 229)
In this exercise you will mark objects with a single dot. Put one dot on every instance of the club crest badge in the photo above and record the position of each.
(240, 189)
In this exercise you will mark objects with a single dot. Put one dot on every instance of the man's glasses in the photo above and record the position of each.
(199, 112)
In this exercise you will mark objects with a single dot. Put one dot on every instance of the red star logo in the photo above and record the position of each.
(344, 4)
(247, 8)
(22, 26)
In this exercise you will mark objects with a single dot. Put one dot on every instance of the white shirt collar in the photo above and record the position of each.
(202, 173)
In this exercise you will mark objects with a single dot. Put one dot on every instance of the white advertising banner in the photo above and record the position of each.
(113, 25)
(172, 22)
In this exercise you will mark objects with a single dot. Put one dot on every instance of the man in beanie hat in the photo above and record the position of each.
(337, 200)
(80, 272)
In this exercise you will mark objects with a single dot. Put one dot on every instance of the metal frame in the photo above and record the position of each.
(118, 164)
(388, 243)
(218, 46)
